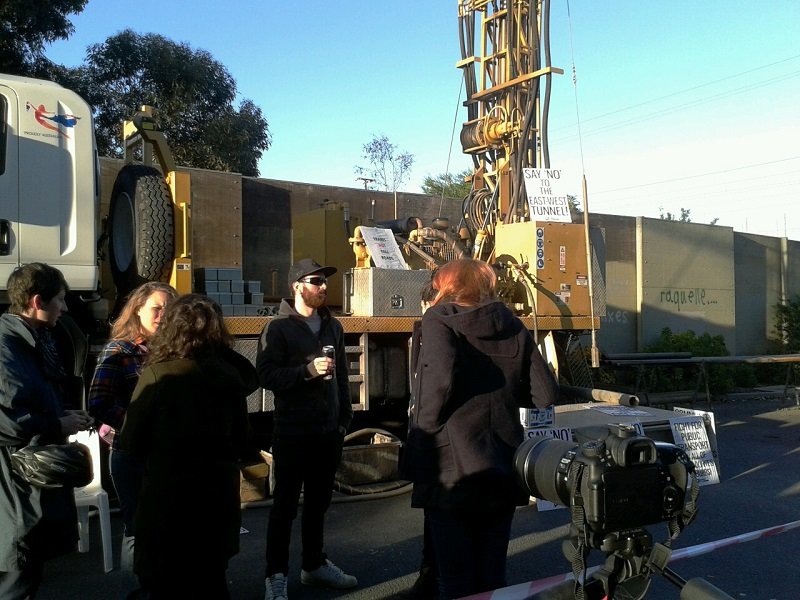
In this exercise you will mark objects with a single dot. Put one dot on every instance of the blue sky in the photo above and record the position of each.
(682, 104)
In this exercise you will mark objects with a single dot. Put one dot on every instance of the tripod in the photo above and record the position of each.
(631, 558)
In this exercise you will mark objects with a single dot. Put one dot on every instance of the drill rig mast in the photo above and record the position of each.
(507, 73)
(545, 268)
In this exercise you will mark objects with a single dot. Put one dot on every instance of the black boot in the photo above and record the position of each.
(424, 588)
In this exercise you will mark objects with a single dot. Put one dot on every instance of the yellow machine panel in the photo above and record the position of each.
(323, 234)
(556, 272)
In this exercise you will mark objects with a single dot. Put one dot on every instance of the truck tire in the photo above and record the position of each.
(140, 228)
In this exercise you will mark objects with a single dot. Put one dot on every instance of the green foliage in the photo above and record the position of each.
(449, 185)
(574, 205)
(721, 378)
(684, 218)
(388, 168)
(191, 92)
(787, 324)
(26, 26)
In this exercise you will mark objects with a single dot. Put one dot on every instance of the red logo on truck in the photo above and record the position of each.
(50, 120)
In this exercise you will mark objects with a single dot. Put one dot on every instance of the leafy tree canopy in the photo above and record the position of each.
(574, 205)
(787, 323)
(450, 185)
(192, 95)
(685, 216)
(387, 168)
(26, 26)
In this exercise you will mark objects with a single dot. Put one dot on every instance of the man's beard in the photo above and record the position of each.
(313, 299)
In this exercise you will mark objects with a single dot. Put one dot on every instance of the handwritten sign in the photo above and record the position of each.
(547, 195)
(620, 410)
(689, 433)
(537, 417)
(383, 248)
(558, 433)
(711, 428)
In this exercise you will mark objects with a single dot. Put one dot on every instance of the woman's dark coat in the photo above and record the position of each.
(477, 367)
(188, 422)
(37, 521)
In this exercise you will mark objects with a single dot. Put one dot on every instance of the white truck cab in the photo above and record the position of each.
(49, 181)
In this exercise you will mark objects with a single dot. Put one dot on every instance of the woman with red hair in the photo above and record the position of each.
(477, 366)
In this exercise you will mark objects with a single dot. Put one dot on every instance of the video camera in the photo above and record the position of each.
(620, 480)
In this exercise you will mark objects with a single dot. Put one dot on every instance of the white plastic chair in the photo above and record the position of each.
(93, 495)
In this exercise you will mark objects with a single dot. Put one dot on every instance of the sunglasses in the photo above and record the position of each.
(318, 281)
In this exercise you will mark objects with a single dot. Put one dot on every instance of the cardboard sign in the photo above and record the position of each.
(383, 248)
(558, 433)
(537, 417)
(689, 433)
(547, 195)
(711, 428)
(619, 410)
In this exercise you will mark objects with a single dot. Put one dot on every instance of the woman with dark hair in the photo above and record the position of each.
(37, 523)
(114, 380)
(188, 423)
(477, 367)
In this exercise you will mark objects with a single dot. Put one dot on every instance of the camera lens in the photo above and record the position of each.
(542, 465)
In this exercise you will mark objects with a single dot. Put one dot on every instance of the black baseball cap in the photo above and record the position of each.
(308, 266)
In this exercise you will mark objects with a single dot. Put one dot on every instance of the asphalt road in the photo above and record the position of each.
(379, 540)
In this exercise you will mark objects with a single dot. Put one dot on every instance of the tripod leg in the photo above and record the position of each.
(566, 591)
(700, 589)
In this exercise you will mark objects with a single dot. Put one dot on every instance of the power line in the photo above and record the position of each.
(741, 168)
(670, 110)
(686, 90)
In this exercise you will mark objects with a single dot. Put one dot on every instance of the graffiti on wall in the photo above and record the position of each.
(620, 317)
(686, 297)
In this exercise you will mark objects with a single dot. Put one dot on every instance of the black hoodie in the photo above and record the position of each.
(478, 366)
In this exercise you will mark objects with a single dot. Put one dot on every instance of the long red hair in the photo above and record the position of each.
(464, 281)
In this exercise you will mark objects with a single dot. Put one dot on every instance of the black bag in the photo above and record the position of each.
(54, 465)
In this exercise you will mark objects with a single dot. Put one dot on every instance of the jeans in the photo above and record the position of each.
(126, 473)
(308, 463)
(471, 547)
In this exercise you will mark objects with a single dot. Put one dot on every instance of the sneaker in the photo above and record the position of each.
(328, 575)
(276, 587)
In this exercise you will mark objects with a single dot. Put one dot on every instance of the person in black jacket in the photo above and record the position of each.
(478, 365)
(37, 523)
(426, 585)
(312, 413)
(187, 425)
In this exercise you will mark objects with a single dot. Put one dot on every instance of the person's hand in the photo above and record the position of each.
(74, 421)
(322, 365)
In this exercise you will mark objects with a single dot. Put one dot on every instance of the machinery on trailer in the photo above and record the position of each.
(50, 186)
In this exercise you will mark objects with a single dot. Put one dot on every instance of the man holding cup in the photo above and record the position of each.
(312, 413)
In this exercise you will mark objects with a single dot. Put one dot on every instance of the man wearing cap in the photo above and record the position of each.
(312, 414)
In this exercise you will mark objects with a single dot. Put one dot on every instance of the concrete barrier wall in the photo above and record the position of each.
(619, 325)
(691, 276)
(685, 280)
